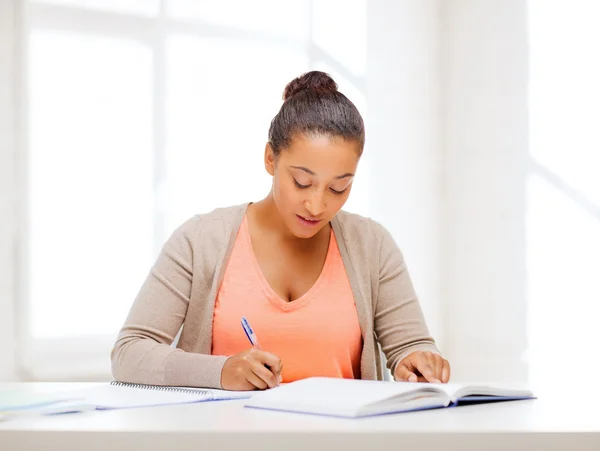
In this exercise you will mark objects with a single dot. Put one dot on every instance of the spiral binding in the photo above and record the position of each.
(191, 391)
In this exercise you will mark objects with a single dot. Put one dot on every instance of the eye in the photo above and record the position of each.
(299, 185)
(339, 193)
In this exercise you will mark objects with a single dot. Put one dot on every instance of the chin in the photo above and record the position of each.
(303, 235)
(303, 231)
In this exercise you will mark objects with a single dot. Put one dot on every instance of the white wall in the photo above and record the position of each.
(404, 137)
(485, 145)
(7, 138)
(447, 136)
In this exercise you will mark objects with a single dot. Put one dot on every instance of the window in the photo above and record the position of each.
(563, 194)
(135, 111)
(91, 181)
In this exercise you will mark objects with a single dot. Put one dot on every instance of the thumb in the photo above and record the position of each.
(402, 373)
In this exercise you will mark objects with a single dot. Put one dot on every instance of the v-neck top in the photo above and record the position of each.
(317, 334)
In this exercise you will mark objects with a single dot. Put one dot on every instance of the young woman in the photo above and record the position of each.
(322, 288)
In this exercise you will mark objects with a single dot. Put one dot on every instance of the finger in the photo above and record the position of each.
(404, 374)
(271, 360)
(256, 381)
(437, 362)
(411, 362)
(446, 372)
(265, 374)
(245, 385)
(421, 362)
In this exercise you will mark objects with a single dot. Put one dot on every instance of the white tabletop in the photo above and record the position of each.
(547, 423)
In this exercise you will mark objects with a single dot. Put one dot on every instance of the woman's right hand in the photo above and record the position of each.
(250, 370)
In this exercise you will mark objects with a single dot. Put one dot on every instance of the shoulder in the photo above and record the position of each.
(361, 228)
(366, 240)
(225, 216)
(213, 225)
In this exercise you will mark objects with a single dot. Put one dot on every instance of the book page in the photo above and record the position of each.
(341, 395)
(456, 390)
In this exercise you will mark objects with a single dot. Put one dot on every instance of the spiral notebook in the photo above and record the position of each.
(123, 395)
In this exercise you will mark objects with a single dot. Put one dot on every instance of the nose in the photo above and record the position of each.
(315, 205)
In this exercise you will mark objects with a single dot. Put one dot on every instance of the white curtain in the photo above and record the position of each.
(137, 115)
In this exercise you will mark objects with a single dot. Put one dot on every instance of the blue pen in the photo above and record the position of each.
(252, 338)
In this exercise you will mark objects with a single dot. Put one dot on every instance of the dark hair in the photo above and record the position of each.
(313, 105)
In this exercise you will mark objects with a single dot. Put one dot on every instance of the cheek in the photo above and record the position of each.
(338, 202)
(284, 193)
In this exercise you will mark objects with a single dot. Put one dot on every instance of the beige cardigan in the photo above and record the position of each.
(182, 286)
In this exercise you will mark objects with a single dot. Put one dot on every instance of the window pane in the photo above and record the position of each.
(91, 176)
(563, 257)
(221, 98)
(142, 7)
(286, 18)
(563, 221)
(340, 30)
(565, 93)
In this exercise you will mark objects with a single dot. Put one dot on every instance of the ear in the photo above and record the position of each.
(270, 159)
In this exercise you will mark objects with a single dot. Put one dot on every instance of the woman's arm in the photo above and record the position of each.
(143, 352)
(399, 323)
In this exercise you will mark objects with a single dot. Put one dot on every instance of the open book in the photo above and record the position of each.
(358, 398)
(122, 395)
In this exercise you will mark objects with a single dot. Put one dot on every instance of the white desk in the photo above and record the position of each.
(543, 424)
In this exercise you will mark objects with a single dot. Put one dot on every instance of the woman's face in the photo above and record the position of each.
(312, 179)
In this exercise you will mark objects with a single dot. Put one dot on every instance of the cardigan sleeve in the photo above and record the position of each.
(143, 353)
(400, 326)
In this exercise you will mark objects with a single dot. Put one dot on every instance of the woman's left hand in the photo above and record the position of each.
(421, 366)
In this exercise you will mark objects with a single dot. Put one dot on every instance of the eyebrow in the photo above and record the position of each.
(308, 171)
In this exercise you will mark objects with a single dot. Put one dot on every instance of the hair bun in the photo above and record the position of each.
(315, 80)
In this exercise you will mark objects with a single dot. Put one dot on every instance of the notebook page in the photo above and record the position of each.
(118, 397)
(17, 399)
(47, 409)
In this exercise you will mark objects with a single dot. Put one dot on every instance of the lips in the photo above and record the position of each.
(308, 221)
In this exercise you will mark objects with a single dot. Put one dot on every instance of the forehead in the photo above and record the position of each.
(322, 154)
